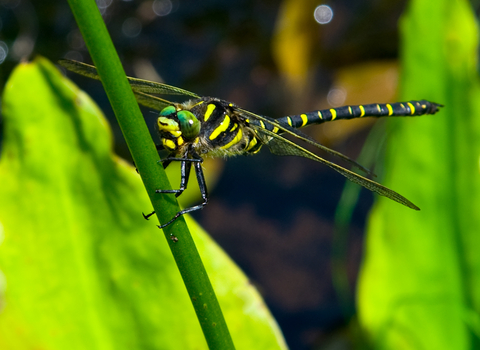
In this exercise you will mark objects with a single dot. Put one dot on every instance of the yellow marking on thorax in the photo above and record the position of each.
(262, 124)
(197, 104)
(275, 129)
(304, 119)
(180, 141)
(334, 113)
(390, 109)
(412, 108)
(320, 115)
(251, 144)
(210, 108)
(362, 111)
(235, 140)
(221, 128)
(289, 121)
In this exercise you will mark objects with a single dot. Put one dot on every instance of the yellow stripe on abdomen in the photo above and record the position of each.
(334, 113)
(362, 111)
(304, 119)
(390, 109)
(412, 108)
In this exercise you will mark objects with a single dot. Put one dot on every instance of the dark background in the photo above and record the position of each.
(275, 216)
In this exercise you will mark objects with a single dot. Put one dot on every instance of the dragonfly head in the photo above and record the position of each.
(175, 127)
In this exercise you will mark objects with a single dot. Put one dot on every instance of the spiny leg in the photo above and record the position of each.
(146, 217)
(203, 190)
(185, 166)
(184, 175)
(165, 162)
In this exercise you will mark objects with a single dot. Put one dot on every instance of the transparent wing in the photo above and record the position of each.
(282, 146)
(299, 135)
(138, 85)
(153, 102)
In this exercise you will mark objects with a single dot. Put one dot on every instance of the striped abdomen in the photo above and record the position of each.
(410, 108)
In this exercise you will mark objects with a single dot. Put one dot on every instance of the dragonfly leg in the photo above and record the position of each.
(146, 217)
(185, 172)
(203, 190)
(183, 182)
(185, 166)
(192, 160)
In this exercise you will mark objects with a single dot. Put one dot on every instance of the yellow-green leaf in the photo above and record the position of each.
(420, 282)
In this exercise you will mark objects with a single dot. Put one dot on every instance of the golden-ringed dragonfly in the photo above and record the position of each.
(207, 126)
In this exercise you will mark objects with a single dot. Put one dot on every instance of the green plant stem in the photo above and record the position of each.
(153, 176)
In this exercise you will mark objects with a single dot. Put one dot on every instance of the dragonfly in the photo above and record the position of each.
(208, 126)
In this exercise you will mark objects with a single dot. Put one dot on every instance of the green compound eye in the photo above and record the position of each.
(167, 111)
(189, 124)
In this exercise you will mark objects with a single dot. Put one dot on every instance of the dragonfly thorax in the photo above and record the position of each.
(208, 126)
(224, 132)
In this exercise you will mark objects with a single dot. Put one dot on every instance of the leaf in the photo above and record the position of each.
(83, 269)
(420, 283)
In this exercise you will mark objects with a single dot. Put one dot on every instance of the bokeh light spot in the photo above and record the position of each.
(336, 97)
(103, 4)
(131, 27)
(162, 7)
(323, 14)
(3, 51)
